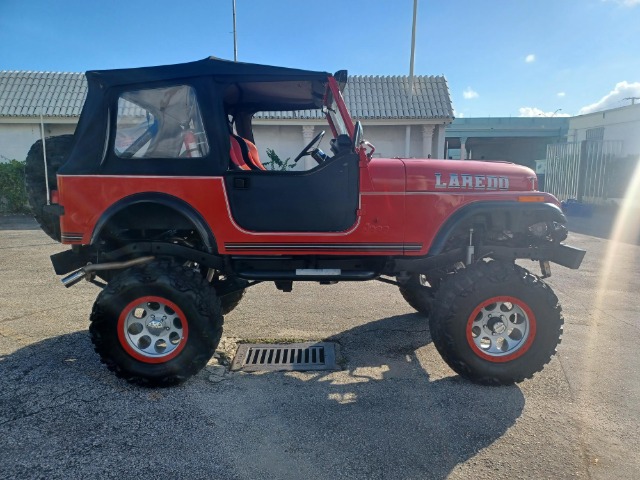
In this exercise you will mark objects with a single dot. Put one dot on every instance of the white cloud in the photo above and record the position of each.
(615, 98)
(469, 93)
(536, 112)
(561, 94)
(530, 58)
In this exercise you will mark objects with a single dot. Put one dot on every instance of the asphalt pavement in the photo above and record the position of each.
(395, 410)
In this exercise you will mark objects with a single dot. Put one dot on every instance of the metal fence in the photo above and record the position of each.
(583, 170)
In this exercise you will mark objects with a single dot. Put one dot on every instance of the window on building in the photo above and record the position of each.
(595, 134)
(160, 123)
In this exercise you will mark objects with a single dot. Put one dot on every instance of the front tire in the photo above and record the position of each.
(495, 323)
(156, 325)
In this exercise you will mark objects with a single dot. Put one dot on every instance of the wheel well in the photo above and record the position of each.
(498, 218)
(148, 218)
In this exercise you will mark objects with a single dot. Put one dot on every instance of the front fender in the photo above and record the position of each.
(519, 214)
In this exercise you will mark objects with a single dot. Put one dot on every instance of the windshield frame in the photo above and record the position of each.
(334, 106)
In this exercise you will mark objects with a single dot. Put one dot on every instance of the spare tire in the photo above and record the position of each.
(58, 149)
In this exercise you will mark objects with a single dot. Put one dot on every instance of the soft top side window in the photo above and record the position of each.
(160, 123)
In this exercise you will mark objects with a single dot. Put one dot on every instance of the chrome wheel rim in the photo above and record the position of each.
(153, 328)
(500, 328)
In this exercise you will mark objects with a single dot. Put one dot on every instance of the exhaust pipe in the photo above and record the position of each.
(89, 269)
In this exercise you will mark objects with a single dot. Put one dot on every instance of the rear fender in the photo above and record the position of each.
(179, 214)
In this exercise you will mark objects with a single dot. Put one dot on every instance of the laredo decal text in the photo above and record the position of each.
(475, 182)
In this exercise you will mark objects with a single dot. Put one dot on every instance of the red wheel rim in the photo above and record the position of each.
(501, 329)
(152, 329)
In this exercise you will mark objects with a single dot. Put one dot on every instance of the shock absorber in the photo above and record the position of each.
(470, 249)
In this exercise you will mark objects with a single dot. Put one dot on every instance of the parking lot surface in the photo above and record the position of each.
(394, 411)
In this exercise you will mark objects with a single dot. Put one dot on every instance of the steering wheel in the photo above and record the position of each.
(311, 147)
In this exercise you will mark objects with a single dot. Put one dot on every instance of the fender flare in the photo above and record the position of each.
(549, 210)
(169, 201)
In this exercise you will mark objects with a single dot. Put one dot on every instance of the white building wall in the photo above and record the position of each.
(619, 124)
(16, 138)
(15, 141)
(389, 141)
(286, 140)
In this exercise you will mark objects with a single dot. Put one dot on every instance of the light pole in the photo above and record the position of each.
(235, 37)
(413, 42)
(552, 115)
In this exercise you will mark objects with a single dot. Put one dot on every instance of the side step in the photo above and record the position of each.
(308, 274)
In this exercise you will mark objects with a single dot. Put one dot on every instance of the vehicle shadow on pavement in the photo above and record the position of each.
(383, 416)
(18, 222)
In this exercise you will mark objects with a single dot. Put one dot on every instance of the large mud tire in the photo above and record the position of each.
(58, 149)
(418, 293)
(230, 301)
(190, 335)
(484, 302)
(230, 292)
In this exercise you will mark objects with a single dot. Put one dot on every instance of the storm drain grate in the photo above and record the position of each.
(292, 356)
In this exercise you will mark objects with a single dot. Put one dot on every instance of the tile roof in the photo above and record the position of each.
(387, 97)
(374, 97)
(24, 94)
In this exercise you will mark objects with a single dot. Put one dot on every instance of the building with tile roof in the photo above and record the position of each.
(399, 120)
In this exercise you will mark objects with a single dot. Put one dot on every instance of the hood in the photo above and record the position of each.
(467, 175)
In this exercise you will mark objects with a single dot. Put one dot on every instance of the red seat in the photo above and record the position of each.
(248, 154)
(237, 158)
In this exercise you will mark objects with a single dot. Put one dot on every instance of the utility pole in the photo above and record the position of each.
(235, 37)
(633, 99)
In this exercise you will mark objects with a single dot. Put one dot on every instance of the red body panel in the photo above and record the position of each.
(402, 206)
(455, 176)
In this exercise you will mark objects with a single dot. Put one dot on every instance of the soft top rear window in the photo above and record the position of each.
(160, 123)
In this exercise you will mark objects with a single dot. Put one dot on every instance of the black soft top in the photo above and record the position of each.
(225, 70)
(223, 88)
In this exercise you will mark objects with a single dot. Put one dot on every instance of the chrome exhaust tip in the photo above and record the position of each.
(73, 278)
(90, 269)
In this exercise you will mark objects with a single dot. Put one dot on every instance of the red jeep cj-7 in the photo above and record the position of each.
(162, 195)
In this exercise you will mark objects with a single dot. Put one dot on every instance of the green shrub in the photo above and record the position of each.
(276, 163)
(13, 196)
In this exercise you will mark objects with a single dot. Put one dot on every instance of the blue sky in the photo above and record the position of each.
(500, 57)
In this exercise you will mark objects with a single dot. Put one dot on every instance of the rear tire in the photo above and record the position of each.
(495, 323)
(229, 301)
(418, 293)
(156, 325)
(58, 149)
